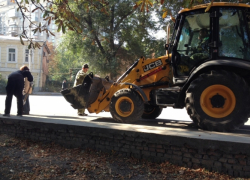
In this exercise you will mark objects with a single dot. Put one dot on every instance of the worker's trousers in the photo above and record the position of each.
(14, 87)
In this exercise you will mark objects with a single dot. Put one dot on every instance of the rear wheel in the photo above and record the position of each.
(218, 101)
(126, 106)
(151, 112)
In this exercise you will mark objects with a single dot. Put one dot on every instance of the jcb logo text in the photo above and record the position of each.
(152, 65)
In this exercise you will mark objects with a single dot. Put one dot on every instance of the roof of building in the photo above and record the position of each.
(2, 38)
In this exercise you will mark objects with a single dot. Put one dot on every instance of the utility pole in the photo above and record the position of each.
(30, 51)
(168, 37)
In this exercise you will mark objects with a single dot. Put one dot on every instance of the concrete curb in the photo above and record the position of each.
(213, 151)
(46, 94)
(43, 94)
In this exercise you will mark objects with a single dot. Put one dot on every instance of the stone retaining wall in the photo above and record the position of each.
(229, 158)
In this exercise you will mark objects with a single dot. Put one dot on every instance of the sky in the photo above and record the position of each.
(160, 34)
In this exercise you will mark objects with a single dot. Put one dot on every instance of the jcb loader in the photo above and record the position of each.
(212, 83)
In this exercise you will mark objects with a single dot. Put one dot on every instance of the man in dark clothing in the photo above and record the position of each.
(64, 84)
(15, 87)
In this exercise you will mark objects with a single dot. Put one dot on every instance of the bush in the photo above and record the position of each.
(54, 86)
(3, 84)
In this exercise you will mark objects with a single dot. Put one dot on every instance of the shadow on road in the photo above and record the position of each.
(178, 124)
(63, 117)
(156, 122)
(173, 124)
(145, 122)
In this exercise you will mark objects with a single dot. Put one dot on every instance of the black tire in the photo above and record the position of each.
(126, 106)
(218, 101)
(151, 112)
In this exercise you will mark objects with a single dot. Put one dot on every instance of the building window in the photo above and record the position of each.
(12, 55)
(27, 55)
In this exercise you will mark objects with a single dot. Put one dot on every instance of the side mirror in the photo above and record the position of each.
(166, 47)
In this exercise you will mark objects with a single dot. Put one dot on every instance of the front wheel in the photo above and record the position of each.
(218, 101)
(151, 112)
(126, 106)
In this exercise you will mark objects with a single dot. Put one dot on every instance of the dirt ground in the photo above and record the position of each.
(25, 160)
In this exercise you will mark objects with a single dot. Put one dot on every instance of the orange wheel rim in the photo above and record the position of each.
(124, 111)
(217, 101)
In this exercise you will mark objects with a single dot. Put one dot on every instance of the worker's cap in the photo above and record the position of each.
(85, 66)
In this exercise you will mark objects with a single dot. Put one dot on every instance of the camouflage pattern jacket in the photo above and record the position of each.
(201, 51)
(202, 46)
(80, 77)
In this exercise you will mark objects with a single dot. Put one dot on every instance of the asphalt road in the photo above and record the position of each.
(174, 122)
(58, 106)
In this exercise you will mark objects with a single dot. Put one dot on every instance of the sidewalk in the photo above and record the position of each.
(143, 126)
(42, 93)
(46, 93)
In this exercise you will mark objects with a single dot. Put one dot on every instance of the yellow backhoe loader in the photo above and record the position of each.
(206, 70)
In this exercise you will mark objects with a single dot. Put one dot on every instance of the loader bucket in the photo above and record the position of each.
(78, 95)
(85, 94)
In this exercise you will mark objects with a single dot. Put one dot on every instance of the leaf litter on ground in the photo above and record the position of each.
(22, 159)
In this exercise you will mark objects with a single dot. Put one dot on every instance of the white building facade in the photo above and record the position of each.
(14, 55)
(11, 22)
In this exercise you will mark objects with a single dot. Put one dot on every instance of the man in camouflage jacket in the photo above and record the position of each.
(78, 81)
(202, 50)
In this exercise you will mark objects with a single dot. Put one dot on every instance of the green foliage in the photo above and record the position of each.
(55, 86)
(65, 15)
(113, 32)
(118, 34)
(3, 84)
(51, 88)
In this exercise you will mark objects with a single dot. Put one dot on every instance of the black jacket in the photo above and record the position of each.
(64, 85)
(20, 75)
